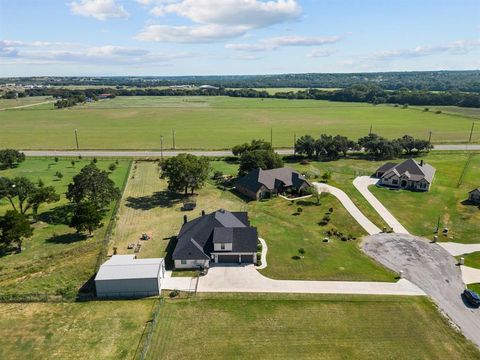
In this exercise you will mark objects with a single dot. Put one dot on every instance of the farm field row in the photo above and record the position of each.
(216, 123)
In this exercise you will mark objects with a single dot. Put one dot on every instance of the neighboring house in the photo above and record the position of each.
(474, 196)
(126, 276)
(410, 174)
(259, 183)
(220, 237)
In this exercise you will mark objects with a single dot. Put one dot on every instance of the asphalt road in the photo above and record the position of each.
(156, 153)
(433, 270)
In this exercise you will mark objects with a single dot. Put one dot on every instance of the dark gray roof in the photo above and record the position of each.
(413, 170)
(196, 237)
(271, 179)
(474, 190)
(385, 167)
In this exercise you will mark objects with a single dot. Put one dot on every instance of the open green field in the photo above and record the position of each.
(267, 326)
(473, 113)
(419, 212)
(148, 207)
(216, 123)
(54, 260)
(88, 330)
(11, 103)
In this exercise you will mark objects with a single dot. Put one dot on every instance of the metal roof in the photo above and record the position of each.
(122, 267)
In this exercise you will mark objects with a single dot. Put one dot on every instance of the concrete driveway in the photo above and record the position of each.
(362, 183)
(237, 278)
(456, 249)
(432, 269)
(364, 222)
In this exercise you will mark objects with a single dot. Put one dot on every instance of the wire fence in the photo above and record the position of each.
(152, 324)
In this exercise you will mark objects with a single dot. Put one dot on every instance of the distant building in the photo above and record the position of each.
(208, 87)
(410, 174)
(219, 237)
(474, 196)
(259, 184)
(125, 276)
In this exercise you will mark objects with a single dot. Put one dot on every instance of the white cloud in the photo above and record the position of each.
(75, 53)
(317, 53)
(99, 9)
(215, 20)
(189, 34)
(459, 47)
(277, 42)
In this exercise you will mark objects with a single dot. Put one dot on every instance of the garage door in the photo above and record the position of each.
(234, 259)
(228, 259)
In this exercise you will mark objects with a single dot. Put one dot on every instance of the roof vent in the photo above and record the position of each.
(421, 162)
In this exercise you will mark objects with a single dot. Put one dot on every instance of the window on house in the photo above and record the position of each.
(394, 182)
(183, 262)
(222, 246)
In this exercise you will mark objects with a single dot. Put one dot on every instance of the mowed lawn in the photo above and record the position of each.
(420, 212)
(266, 326)
(148, 207)
(54, 260)
(31, 100)
(216, 123)
(90, 330)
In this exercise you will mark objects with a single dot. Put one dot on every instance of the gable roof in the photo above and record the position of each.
(272, 179)
(474, 190)
(196, 237)
(411, 169)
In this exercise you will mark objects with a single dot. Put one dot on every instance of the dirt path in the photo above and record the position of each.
(27, 105)
(432, 269)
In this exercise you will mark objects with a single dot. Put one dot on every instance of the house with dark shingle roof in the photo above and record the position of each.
(219, 237)
(410, 174)
(474, 196)
(259, 183)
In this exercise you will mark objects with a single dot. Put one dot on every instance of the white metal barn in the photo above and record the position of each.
(127, 276)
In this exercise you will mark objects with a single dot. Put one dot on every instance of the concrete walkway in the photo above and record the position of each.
(238, 278)
(456, 249)
(264, 255)
(470, 275)
(362, 183)
(364, 222)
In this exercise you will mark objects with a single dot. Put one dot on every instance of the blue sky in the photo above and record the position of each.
(204, 37)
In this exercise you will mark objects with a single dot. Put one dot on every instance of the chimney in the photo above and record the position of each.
(185, 219)
(203, 212)
(421, 162)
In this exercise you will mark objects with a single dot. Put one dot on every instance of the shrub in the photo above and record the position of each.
(94, 160)
(330, 210)
(55, 159)
(174, 293)
(58, 175)
(438, 112)
(299, 210)
(259, 247)
(112, 167)
(304, 162)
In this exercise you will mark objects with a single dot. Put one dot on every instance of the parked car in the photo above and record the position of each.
(472, 297)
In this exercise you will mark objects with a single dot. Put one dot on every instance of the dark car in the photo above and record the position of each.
(472, 297)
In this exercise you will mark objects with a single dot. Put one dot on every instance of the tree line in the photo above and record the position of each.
(468, 81)
(328, 147)
(368, 93)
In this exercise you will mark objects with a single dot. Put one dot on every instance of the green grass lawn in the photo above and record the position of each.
(54, 260)
(474, 287)
(11, 103)
(267, 326)
(215, 123)
(90, 330)
(472, 259)
(285, 231)
(419, 212)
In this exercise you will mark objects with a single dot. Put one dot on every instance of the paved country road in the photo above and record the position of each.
(433, 270)
(156, 153)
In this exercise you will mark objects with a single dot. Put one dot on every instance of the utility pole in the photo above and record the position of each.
(161, 147)
(471, 132)
(173, 139)
(370, 133)
(430, 136)
(76, 138)
(294, 143)
(271, 137)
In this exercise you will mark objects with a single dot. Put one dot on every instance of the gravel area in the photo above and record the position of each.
(432, 269)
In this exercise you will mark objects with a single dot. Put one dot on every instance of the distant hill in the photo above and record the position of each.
(468, 81)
